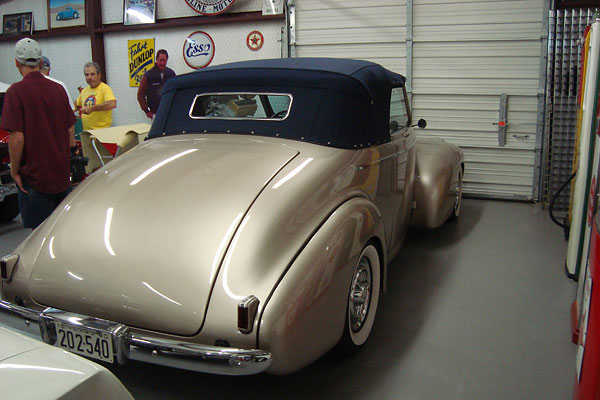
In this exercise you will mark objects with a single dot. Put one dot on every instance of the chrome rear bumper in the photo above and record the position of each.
(128, 345)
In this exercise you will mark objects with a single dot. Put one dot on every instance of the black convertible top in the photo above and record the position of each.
(336, 102)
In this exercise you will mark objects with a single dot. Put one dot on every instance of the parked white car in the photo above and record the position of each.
(31, 369)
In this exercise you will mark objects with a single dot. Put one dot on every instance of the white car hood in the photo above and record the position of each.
(142, 240)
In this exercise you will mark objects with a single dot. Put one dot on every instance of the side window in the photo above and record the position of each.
(279, 104)
(398, 110)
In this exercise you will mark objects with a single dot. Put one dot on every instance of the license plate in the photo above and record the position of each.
(85, 342)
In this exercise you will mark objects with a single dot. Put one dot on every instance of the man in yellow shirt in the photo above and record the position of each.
(96, 101)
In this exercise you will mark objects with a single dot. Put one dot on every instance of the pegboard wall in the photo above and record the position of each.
(230, 45)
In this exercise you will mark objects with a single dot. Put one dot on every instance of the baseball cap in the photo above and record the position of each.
(45, 62)
(28, 52)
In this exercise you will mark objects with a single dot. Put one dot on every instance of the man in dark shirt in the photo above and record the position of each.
(152, 83)
(40, 120)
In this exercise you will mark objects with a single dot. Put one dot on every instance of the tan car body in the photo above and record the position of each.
(171, 249)
(182, 273)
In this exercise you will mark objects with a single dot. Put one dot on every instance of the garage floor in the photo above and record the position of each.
(478, 309)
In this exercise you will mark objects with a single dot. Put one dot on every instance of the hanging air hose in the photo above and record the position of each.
(551, 210)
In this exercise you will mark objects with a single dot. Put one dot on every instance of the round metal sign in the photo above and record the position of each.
(255, 40)
(209, 7)
(198, 50)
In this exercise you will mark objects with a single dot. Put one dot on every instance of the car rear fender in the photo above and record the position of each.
(304, 315)
(437, 172)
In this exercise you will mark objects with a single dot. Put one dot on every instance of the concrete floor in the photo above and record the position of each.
(478, 309)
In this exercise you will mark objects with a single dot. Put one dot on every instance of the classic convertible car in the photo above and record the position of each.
(251, 231)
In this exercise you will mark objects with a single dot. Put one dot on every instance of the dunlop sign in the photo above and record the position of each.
(141, 59)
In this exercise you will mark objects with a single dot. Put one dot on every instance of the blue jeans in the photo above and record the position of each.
(36, 206)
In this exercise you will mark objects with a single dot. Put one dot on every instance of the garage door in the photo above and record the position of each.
(472, 61)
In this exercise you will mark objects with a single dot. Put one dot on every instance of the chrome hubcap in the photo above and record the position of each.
(458, 195)
(360, 295)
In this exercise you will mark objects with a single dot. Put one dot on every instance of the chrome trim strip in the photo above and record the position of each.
(379, 161)
(130, 345)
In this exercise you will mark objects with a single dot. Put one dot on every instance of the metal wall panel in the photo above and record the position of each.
(374, 30)
(66, 55)
(230, 45)
(465, 54)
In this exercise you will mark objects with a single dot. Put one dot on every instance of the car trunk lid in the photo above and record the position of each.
(142, 241)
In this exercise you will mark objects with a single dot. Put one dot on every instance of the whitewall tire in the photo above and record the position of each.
(363, 298)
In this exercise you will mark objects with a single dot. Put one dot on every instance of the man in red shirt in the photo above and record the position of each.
(40, 120)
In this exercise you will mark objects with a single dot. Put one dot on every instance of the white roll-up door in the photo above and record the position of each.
(465, 56)
(373, 30)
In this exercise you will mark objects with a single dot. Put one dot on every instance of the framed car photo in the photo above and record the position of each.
(66, 13)
(139, 12)
(17, 24)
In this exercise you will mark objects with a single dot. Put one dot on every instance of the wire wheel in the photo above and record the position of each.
(360, 295)
(362, 300)
(458, 198)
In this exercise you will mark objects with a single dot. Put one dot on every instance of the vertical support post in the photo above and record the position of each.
(409, 50)
(93, 15)
(502, 119)
(541, 109)
(291, 28)
(284, 36)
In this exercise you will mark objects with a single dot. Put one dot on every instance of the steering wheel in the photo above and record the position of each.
(279, 114)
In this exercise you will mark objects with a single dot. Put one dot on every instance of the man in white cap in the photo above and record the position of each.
(45, 70)
(40, 120)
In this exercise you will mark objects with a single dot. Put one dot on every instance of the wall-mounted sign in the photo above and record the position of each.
(209, 7)
(139, 12)
(141, 59)
(17, 24)
(272, 7)
(62, 14)
(255, 40)
(198, 50)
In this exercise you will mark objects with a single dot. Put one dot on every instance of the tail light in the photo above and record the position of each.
(246, 313)
(7, 266)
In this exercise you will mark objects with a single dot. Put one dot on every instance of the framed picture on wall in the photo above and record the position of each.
(17, 24)
(139, 12)
(65, 13)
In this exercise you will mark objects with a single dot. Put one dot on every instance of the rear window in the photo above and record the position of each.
(258, 106)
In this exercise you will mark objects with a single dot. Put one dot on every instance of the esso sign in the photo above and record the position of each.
(198, 50)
